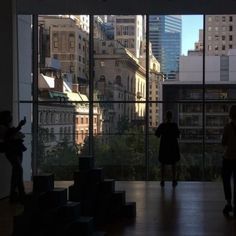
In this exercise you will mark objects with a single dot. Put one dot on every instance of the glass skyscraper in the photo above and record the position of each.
(165, 36)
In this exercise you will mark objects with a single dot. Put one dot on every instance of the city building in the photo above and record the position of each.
(118, 77)
(65, 38)
(220, 85)
(68, 118)
(165, 36)
(155, 77)
(220, 34)
(56, 119)
(128, 30)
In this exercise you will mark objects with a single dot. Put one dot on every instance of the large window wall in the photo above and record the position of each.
(103, 84)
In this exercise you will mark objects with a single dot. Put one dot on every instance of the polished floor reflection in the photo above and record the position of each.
(192, 208)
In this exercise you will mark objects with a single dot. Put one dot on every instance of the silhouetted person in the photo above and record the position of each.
(229, 161)
(12, 140)
(169, 154)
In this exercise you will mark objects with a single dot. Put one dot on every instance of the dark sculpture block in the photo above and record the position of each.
(75, 193)
(129, 209)
(70, 211)
(43, 183)
(118, 198)
(86, 163)
(84, 226)
(55, 198)
(107, 186)
(81, 177)
(117, 202)
(96, 175)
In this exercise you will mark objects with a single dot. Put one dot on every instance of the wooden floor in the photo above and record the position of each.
(192, 208)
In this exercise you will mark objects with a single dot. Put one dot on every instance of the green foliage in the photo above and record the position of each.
(123, 156)
(62, 160)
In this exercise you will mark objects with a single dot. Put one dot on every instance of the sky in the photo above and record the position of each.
(190, 31)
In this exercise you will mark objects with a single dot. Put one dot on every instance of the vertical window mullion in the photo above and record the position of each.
(147, 101)
(35, 93)
(91, 82)
(203, 97)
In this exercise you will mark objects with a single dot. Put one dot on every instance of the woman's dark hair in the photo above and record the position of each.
(168, 115)
(232, 112)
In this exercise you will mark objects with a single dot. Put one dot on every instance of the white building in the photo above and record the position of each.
(220, 84)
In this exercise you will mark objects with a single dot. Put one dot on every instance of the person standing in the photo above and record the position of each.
(229, 161)
(169, 154)
(12, 145)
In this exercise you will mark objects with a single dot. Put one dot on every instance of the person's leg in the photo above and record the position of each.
(162, 175)
(20, 181)
(13, 194)
(16, 178)
(226, 177)
(174, 181)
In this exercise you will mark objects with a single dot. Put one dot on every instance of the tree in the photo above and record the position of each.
(62, 160)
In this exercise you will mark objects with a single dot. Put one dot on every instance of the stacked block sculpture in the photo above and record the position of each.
(48, 212)
(97, 195)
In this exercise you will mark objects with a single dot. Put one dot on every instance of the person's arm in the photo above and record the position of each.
(14, 130)
(21, 123)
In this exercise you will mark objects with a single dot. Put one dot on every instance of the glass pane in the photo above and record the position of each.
(188, 117)
(119, 59)
(220, 86)
(177, 86)
(120, 143)
(216, 117)
(57, 147)
(63, 110)
(64, 51)
(120, 89)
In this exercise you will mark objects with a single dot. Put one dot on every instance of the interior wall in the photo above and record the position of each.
(7, 81)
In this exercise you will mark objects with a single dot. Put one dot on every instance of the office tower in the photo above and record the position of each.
(220, 34)
(165, 36)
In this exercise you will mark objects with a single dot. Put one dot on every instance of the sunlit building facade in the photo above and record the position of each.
(118, 77)
(65, 38)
